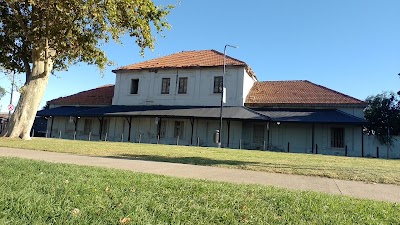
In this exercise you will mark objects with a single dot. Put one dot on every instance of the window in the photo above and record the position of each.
(165, 86)
(218, 84)
(88, 126)
(182, 89)
(178, 131)
(163, 128)
(337, 137)
(134, 86)
(258, 133)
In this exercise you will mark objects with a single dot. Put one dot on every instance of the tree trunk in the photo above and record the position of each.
(21, 121)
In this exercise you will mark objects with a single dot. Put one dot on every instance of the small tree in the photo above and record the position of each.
(2, 92)
(40, 36)
(383, 117)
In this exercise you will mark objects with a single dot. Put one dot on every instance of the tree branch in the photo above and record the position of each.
(19, 19)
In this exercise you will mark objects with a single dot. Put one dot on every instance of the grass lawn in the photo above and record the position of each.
(35, 192)
(346, 168)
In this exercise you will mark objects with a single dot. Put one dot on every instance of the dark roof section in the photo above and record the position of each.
(297, 93)
(208, 112)
(234, 113)
(64, 111)
(188, 59)
(100, 96)
(310, 116)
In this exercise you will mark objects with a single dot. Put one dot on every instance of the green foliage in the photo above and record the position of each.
(383, 116)
(48, 193)
(2, 92)
(74, 29)
(344, 168)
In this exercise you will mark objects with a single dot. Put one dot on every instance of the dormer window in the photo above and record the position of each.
(134, 86)
(218, 84)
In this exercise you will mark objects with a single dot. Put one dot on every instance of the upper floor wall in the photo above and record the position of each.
(191, 87)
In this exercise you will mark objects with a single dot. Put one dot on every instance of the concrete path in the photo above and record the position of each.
(382, 192)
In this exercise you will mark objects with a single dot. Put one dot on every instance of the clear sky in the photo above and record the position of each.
(350, 46)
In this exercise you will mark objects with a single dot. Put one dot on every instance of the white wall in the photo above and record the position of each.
(199, 88)
(299, 136)
(373, 148)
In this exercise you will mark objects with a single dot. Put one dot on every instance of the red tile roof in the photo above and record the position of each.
(98, 96)
(300, 92)
(188, 59)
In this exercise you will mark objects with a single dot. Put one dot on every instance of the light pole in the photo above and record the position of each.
(222, 95)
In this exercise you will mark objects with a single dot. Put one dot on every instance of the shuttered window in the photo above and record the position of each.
(337, 137)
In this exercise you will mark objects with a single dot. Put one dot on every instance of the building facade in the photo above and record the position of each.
(176, 100)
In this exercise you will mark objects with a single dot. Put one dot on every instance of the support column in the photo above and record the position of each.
(229, 132)
(51, 126)
(312, 138)
(101, 120)
(191, 136)
(129, 119)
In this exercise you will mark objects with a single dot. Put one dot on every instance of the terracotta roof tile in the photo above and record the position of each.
(300, 92)
(186, 59)
(98, 96)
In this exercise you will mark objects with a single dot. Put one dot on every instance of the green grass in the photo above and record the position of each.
(345, 168)
(35, 192)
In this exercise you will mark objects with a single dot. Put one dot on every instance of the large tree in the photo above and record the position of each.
(383, 117)
(40, 36)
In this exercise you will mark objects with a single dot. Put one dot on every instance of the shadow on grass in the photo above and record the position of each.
(184, 160)
(256, 166)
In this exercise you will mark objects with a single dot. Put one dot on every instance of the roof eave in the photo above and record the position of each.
(177, 67)
(297, 105)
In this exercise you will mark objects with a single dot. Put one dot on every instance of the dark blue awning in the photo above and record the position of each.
(63, 111)
(209, 112)
(310, 116)
(206, 112)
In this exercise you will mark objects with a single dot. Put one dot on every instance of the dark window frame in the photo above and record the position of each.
(182, 85)
(337, 137)
(218, 84)
(165, 85)
(134, 86)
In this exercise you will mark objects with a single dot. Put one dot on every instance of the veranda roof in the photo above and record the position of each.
(310, 116)
(209, 112)
(205, 112)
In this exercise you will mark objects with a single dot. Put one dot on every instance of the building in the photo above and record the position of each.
(3, 121)
(176, 100)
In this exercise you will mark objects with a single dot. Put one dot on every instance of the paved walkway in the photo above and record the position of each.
(383, 192)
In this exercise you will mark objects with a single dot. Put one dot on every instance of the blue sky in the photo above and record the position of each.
(350, 46)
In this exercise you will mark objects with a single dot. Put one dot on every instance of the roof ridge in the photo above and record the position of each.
(280, 81)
